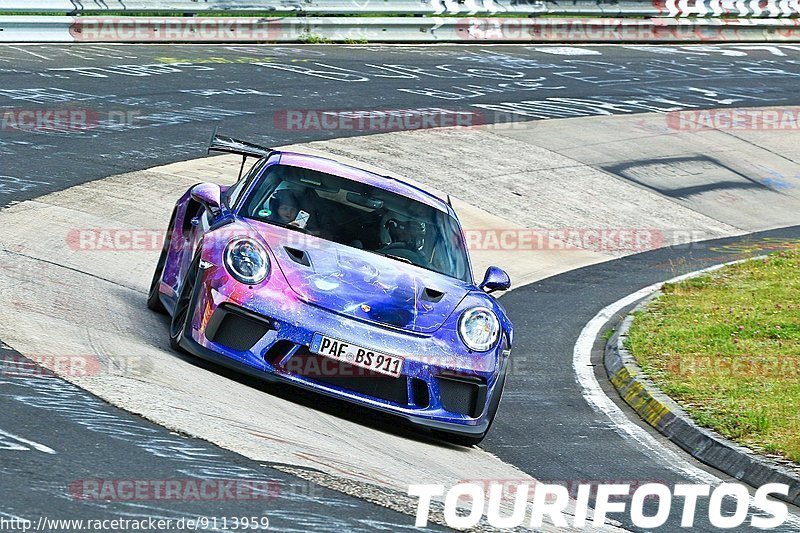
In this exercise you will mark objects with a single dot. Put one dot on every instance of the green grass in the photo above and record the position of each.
(726, 346)
(310, 38)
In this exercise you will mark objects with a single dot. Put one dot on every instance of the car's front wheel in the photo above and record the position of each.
(182, 314)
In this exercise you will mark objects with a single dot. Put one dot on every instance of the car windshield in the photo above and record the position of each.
(360, 216)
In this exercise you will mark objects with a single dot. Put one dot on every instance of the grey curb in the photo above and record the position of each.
(661, 412)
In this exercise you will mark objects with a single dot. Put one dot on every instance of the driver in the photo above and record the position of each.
(406, 239)
(409, 234)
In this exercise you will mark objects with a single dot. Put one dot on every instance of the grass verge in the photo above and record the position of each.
(726, 347)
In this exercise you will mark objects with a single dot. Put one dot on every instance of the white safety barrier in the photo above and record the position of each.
(36, 29)
(612, 8)
(580, 21)
(392, 29)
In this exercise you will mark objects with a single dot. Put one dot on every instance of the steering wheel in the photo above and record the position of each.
(402, 251)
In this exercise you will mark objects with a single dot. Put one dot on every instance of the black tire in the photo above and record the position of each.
(460, 439)
(153, 299)
(153, 296)
(186, 300)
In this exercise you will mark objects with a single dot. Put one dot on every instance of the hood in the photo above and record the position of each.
(363, 285)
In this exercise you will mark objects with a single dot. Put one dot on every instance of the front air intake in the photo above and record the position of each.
(465, 395)
(236, 328)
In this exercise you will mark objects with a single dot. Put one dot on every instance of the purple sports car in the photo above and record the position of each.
(341, 281)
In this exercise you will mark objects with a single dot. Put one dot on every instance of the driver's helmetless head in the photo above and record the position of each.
(286, 206)
(287, 212)
(410, 232)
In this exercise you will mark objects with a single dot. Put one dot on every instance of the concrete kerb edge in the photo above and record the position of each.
(665, 415)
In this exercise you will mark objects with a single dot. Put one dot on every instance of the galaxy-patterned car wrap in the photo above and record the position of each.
(317, 287)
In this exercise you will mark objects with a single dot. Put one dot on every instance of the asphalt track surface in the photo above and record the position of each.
(562, 439)
(157, 104)
(166, 100)
(79, 455)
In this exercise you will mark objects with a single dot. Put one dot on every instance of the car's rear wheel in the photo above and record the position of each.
(153, 295)
(473, 440)
(182, 314)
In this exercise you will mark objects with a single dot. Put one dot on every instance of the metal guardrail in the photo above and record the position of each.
(393, 29)
(579, 21)
(36, 29)
(614, 8)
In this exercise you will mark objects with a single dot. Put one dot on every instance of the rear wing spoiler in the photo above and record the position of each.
(235, 146)
(245, 149)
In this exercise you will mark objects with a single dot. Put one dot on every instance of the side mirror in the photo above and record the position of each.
(496, 279)
(208, 194)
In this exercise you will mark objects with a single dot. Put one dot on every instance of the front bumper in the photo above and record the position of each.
(438, 389)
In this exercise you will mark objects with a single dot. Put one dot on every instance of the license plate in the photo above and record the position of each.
(382, 363)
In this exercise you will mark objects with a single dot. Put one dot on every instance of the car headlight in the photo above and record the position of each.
(479, 328)
(247, 261)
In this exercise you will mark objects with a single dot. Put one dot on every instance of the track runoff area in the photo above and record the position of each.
(699, 115)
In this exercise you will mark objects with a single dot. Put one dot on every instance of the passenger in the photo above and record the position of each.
(284, 207)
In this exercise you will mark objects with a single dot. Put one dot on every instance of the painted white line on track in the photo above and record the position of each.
(10, 516)
(32, 444)
(597, 398)
(31, 53)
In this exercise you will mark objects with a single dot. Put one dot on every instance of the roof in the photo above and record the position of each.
(330, 166)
